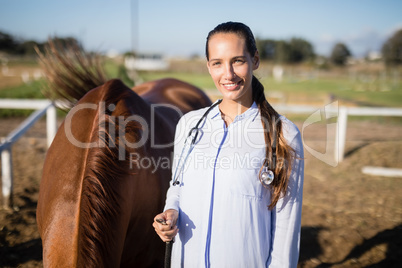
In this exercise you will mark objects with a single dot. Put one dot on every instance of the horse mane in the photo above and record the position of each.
(70, 71)
(99, 206)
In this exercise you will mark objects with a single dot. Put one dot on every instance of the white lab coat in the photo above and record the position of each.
(223, 216)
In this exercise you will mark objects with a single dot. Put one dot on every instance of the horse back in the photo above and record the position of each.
(86, 194)
(61, 186)
(182, 95)
(95, 207)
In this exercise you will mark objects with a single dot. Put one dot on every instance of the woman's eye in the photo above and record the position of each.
(216, 63)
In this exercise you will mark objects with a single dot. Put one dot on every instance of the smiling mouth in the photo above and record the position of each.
(231, 86)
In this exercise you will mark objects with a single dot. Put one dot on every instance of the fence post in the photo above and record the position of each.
(7, 177)
(51, 124)
(341, 134)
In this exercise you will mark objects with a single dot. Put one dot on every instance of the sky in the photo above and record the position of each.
(179, 27)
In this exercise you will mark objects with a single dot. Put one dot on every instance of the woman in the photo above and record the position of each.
(221, 203)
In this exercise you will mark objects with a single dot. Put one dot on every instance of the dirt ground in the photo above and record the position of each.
(349, 219)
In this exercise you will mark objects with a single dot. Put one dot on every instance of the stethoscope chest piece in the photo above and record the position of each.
(266, 176)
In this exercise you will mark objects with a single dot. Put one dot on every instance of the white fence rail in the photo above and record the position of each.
(41, 107)
(45, 106)
(342, 113)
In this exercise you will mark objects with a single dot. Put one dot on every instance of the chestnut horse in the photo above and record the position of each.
(107, 172)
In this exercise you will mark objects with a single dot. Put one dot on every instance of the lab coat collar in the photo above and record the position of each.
(251, 112)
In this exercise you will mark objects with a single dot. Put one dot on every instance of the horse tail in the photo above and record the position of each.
(87, 173)
(70, 71)
(105, 172)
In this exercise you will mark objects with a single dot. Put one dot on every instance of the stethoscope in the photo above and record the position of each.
(266, 175)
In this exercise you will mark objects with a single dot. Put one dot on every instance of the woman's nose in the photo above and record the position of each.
(229, 72)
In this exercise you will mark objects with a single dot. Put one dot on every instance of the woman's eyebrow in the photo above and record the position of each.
(235, 57)
(239, 57)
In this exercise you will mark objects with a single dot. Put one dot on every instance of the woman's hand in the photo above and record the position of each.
(165, 224)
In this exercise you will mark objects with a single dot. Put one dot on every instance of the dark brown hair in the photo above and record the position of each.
(274, 139)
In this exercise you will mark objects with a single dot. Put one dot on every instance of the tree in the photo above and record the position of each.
(294, 51)
(266, 48)
(7, 43)
(67, 42)
(392, 49)
(340, 54)
(10, 44)
(28, 47)
(282, 51)
(300, 50)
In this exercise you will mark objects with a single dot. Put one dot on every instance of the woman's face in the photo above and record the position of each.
(231, 67)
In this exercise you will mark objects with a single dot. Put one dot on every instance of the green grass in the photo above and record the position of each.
(25, 61)
(111, 68)
(114, 70)
(203, 81)
(380, 92)
(31, 90)
(386, 94)
(23, 91)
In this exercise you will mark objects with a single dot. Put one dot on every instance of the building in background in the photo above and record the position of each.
(146, 62)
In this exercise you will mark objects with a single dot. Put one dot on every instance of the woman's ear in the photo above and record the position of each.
(256, 61)
(209, 69)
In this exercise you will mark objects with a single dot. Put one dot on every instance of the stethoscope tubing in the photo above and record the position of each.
(266, 176)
